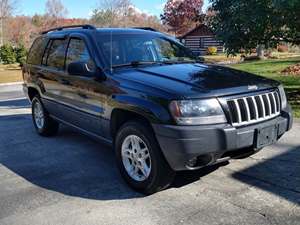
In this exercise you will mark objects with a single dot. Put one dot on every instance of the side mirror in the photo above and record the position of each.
(81, 69)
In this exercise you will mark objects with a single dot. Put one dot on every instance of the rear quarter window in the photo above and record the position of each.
(37, 50)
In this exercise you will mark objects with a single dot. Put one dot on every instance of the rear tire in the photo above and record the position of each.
(155, 174)
(43, 123)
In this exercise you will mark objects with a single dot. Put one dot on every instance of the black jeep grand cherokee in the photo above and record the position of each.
(146, 94)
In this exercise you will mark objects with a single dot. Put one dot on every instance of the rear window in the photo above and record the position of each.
(37, 51)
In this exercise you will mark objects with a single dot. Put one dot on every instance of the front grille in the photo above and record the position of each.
(252, 109)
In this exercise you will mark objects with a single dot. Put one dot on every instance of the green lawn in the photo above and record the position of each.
(272, 69)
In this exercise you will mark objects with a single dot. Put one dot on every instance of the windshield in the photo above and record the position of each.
(129, 49)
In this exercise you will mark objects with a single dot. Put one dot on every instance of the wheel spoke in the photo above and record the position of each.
(144, 169)
(136, 143)
(134, 170)
(127, 153)
(145, 153)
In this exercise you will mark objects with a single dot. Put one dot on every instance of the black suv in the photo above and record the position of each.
(147, 95)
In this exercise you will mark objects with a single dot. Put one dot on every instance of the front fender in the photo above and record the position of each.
(155, 110)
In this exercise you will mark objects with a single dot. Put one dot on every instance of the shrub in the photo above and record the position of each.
(21, 54)
(294, 48)
(282, 48)
(212, 50)
(7, 54)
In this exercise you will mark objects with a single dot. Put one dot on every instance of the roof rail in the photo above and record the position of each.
(85, 26)
(146, 28)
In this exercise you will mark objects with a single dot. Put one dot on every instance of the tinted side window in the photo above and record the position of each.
(56, 54)
(37, 51)
(78, 52)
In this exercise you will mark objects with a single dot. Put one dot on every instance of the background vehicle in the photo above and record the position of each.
(147, 95)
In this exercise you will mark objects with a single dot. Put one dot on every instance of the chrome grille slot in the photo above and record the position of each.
(252, 109)
(277, 101)
(272, 102)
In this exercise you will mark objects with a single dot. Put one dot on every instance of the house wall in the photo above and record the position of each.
(200, 39)
(199, 44)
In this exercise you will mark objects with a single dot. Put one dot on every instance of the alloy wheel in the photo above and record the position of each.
(136, 158)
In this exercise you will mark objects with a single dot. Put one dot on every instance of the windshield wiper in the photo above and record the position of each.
(178, 61)
(182, 61)
(136, 64)
(142, 63)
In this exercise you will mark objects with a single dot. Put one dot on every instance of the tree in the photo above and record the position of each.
(55, 9)
(291, 13)
(181, 15)
(111, 13)
(138, 18)
(250, 24)
(20, 31)
(102, 18)
(125, 15)
(7, 7)
(37, 20)
(21, 54)
(7, 54)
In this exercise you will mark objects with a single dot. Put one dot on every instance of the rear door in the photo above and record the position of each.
(52, 74)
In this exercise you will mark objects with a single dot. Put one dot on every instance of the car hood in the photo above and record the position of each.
(198, 80)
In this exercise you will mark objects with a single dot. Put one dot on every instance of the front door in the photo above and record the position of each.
(83, 97)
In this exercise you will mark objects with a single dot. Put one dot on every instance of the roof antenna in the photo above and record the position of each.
(111, 52)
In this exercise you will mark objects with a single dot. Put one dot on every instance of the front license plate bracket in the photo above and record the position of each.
(266, 136)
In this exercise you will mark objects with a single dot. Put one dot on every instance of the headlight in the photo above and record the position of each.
(196, 112)
(282, 97)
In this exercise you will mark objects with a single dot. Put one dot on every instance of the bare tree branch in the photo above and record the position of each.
(7, 8)
(55, 9)
(114, 10)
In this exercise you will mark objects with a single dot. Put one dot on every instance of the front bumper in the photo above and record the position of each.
(181, 144)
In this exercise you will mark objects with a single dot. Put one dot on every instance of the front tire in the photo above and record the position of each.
(43, 123)
(140, 159)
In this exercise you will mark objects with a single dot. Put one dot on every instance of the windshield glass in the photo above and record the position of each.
(123, 49)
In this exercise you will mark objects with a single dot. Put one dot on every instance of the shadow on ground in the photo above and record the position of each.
(69, 163)
(187, 177)
(15, 104)
(279, 175)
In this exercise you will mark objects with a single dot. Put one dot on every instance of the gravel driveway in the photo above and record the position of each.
(72, 179)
